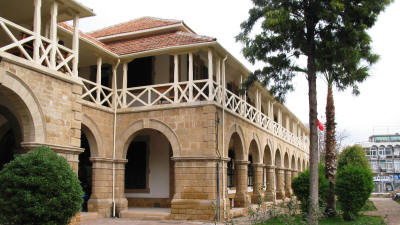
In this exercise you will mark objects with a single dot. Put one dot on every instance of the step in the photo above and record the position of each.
(146, 213)
(88, 216)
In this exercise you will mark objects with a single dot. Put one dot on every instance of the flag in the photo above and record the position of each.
(320, 126)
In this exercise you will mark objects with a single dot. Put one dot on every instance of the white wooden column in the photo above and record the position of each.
(53, 33)
(98, 79)
(75, 46)
(124, 82)
(280, 117)
(37, 29)
(176, 78)
(223, 83)
(190, 83)
(257, 101)
(218, 78)
(210, 75)
(114, 84)
(287, 123)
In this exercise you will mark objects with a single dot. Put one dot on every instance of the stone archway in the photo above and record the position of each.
(255, 171)
(20, 100)
(269, 174)
(279, 176)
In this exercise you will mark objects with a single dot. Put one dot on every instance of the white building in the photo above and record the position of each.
(383, 153)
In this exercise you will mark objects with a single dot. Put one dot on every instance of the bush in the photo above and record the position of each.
(353, 155)
(39, 188)
(354, 185)
(301, 187)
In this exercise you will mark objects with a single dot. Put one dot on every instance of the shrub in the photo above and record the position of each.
(39, 188)
(354, 185)
(301, 187)
(353, 155)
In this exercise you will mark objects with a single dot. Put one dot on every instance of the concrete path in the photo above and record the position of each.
(121, 221)
(388, 209)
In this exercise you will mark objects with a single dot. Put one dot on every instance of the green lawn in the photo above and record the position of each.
(361, 220)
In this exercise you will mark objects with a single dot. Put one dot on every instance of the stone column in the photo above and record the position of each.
(280, 183)
(121, 203)
(242, 199)
(101, 199)
(258, 192)
(270, 189)
(288, 182)
(195, 188)
(294, 173)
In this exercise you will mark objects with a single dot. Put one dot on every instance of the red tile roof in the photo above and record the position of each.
(81, 34)
(134, 25)
(157, 41)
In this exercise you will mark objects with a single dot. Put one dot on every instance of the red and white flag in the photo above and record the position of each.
(320, 126)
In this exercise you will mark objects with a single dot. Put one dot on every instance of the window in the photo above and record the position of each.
(388, 150)
(231, 169)
(381, 150)
(137, 167)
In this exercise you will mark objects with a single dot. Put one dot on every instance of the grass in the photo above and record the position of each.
(360, 220)
(369, 206)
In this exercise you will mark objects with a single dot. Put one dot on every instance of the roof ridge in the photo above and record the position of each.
(132, 20)
(196, 35)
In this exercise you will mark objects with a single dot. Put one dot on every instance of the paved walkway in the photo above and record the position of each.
(121, 221)
(388, 209)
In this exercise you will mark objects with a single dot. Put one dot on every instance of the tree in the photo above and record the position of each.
(39, 188)
(347, 65)
(353, 155)
(290, 29)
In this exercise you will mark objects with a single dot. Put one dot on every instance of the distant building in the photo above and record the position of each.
(383, 153)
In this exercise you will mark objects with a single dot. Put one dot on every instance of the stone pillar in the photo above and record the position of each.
(288, 182)
(195, 189)
(280, 183)
(121, 203)
(270, 189)
(101, 199)
(242, 199)
(294, 173)
(258, 192)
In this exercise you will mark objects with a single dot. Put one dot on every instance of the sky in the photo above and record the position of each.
(375, 111)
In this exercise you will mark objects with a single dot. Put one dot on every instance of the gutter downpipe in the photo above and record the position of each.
(223, 134)
(114, 135)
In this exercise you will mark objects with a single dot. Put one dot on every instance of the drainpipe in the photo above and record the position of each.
(114, 135)
(223, 134)
(218, 163)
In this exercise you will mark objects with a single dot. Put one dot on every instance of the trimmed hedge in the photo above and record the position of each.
(354, 185)
(39, 188)
(301, 187)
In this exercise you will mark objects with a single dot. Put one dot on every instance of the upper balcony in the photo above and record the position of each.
(204, 75)
(29, 34)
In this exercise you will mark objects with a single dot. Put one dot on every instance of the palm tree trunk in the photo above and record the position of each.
(330, 153)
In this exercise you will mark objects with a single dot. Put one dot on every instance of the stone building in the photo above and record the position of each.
(147, 112)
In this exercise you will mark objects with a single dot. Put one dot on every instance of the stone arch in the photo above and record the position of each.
(254, 150)
(10, 122)
(19, 98)
(293, 163)
(286, 160)
(267, 155)
(92, 133)
(278, 159)
(299, 164)
(236, 133)
(129, 134)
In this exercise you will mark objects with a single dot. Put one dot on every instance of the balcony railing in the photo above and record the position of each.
(186, 92)
(22, 43)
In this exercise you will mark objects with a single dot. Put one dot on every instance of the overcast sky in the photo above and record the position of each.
(375, 110)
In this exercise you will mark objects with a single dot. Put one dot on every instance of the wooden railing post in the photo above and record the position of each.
(124, 83)
(176, 78)
(210, 75)
(37, 30)
(98, 80)
(53, 33)
(190, 83)
(75, 46)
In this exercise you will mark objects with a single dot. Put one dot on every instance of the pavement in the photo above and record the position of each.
(388, 209)
(121, 221)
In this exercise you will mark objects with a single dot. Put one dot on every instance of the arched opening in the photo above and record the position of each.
(267, 162)
(10, 136)
(149, 172)
(252, 158)
(286, 175)
(85, 166)
(293, 164)
(304, 165)
(235, 153)
(299, 165)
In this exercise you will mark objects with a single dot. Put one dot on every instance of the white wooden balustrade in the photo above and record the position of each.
(179, 93)
(21, 42)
